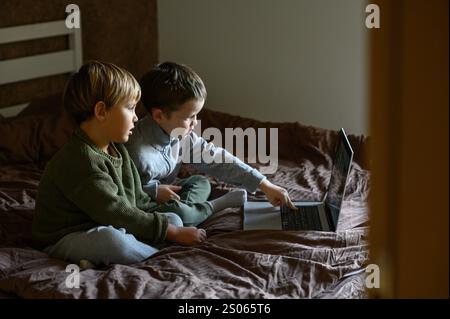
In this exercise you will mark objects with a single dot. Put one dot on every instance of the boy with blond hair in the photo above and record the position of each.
(90, 203)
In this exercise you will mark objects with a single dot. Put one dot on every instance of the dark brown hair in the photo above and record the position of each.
(169, 85)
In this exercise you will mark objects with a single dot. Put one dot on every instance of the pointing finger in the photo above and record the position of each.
(290, 204)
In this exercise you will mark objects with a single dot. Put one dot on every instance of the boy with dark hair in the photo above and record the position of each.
(173, 95)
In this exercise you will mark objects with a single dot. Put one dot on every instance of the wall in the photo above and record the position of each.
(291, 60)
(118, 31)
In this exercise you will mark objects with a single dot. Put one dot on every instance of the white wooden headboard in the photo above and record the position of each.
(41, 65)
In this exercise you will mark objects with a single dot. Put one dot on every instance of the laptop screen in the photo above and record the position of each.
(338, 179)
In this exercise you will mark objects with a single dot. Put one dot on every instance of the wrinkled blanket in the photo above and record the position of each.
(232, 263)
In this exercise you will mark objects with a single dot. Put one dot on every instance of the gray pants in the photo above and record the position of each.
(105, 245)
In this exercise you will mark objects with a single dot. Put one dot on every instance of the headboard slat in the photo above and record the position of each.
(11, 111)
(36, 66)
(34, 31)
(41, 65)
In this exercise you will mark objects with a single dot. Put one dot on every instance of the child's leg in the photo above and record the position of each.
(235, 198)
(101, 245)
(192, 207)
(190, 214)
(195, 189)
(174, 219)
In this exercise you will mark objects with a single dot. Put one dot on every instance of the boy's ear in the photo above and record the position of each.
(157, 114)
(100, 110)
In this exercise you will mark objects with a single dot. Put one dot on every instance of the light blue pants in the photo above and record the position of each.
(104, 245)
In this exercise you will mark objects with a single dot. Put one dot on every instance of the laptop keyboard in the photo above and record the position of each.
(306, 218)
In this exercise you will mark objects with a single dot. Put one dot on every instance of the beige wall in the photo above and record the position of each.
(290, 60)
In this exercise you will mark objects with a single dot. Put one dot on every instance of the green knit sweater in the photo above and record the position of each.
(83, 187)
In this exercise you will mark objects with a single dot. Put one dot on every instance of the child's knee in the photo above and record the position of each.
(117, 246)
(109, 236)
(200, 181)
(174, 219)
(178, 213)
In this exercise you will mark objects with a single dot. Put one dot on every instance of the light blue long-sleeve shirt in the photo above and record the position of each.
(158, 158)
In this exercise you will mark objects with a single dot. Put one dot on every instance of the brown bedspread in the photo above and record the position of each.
(232, 263)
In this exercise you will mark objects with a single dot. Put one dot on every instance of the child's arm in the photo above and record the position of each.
(276, 194)
(218, 162)
(99, 197)
(232, 170)
(151, 188)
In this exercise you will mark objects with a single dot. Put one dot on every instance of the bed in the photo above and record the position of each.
(232, 263)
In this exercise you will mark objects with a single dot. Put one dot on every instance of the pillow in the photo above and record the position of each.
(36, 133)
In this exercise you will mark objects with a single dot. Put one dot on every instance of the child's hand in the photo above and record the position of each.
(186, 235)
(167, 192)
(276, 194)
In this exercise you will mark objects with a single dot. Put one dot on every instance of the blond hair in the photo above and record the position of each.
(98, 81)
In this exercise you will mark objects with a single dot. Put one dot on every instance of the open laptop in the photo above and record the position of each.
(322, 216)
